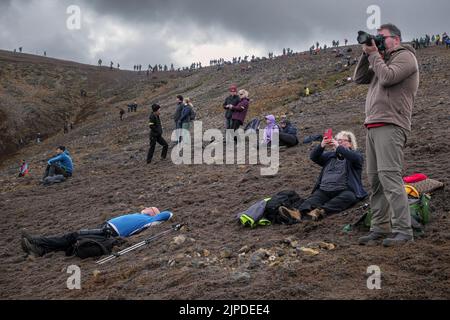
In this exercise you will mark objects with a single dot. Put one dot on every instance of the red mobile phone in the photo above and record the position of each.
(328, 134)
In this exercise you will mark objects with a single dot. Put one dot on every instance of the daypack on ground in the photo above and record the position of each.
(253, 216)
(418, 208)
(287, 198)
(94, 246)
(265, 212)
(253, 125)
(193, 114)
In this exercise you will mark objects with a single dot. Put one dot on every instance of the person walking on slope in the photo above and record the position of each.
(156, 134)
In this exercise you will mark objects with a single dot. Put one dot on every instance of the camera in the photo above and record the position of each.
(365, 38)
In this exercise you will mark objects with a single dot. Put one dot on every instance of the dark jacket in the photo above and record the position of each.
(155, 125)
(185, 115)
(234, 101)
(178, 110)
(240, 111)
(289, 129)
(354, 167)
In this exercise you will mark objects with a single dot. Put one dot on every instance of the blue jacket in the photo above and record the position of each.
(289, 129)
(354, 167)
(133, 223)
(185, 115)
(63, 160)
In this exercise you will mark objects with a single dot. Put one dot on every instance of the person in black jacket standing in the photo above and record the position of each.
(233, 100)
(156, 134)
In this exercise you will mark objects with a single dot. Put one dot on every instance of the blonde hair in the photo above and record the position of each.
(188, 101)
(244, 93)
(350, 136)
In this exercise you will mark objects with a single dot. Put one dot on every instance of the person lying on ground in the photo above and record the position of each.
(339, 185)
(121, 226)
(61, 164)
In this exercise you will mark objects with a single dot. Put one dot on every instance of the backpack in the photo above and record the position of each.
(193, 114)
(254, 216)
(94, 246)
(253, 125)
(418, 208)
(287, 198)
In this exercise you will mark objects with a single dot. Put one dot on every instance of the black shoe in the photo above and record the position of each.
(29, 246)
(397, 239)
(372, 237)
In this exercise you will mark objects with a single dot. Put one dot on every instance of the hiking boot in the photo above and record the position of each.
(372, 237)
(289, 213)
(397, 239)
(316, 214)
(29, 246)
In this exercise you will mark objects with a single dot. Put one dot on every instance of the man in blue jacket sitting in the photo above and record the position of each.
(121, 226)
(61, 164)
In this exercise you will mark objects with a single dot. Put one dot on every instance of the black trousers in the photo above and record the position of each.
(288, 140)
(228, 123)
(62, 243)
(236, 124)
(151, 151)
(66, 242)
(54, 169)
(331, 202)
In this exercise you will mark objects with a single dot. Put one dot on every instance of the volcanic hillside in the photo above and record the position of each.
(213, 257)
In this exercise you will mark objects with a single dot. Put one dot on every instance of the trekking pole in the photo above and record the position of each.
(362, 207)
(140, 244)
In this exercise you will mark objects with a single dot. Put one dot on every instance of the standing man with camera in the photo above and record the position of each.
(393, 75)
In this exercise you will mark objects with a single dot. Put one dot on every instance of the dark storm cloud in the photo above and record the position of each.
(143, 32)
(284, 21)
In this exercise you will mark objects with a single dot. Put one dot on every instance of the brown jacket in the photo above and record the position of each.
(393, 85)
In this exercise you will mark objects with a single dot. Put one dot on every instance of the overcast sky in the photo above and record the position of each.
(183, 31)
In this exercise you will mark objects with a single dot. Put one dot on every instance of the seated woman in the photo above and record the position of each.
(339, 185)
(121, 226)
(271, 128)
(288, 134)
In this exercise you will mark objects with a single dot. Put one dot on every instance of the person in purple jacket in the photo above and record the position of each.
(240, 110)
(121, 226)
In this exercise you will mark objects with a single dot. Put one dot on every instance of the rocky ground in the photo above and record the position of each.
(213, 257)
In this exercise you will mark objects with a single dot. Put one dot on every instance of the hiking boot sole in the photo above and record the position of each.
(395, 243)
